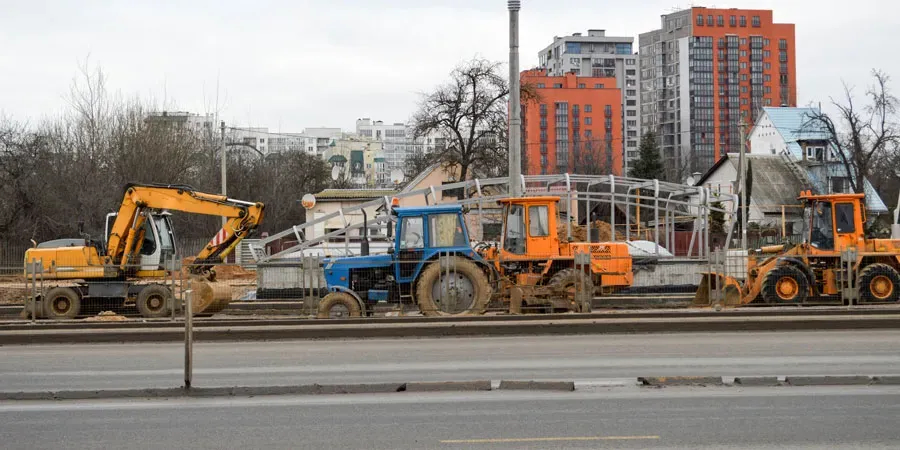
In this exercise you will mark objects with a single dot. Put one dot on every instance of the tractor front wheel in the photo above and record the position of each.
(452, 287)
(879, 283)
(338, 305)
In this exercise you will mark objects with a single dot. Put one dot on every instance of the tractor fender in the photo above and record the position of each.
(797, 262)
(349, 292)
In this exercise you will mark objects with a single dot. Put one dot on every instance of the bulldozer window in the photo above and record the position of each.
(822, 236)
(514, 241)
(446, 231)
(843, 215)
(537, 221)
(411, 233)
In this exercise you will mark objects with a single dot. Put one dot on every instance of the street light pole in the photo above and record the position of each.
(515, 107)
(224, 184)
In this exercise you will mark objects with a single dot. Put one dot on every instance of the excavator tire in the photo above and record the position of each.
(62, 303)
(568, 282)
(209, 297)
(785, 284)
(338, 305)
(879, 283)
(465, 292)
(154, 301)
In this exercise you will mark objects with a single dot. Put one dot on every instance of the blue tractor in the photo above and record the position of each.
(430, 263)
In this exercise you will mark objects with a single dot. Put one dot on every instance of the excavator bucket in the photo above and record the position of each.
(209, 297)
(711, 282)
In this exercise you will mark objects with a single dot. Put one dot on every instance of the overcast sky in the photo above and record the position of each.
(287, 65)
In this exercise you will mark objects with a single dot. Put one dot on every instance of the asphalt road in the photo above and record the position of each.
(577, 358)
(626, 418)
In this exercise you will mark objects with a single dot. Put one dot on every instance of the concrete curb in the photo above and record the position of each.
(757, 381)
(855, 380)
(537, 385)
(444, 386)
(767, 381)
(569, 326)
(681, 381)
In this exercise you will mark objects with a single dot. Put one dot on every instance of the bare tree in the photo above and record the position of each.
(471, 110)
(863, 135)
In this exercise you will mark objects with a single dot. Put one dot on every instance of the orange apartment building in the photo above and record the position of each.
(575, 127)
(704, 72)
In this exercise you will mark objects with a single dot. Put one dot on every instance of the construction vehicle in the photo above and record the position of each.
(539, 271)
(139, 242)
(430, 263)
(835, 262)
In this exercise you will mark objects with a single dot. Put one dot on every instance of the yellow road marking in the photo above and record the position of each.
(548, 439)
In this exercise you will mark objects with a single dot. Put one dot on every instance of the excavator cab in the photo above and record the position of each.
(158, 244)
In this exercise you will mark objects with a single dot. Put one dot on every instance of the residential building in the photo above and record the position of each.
(793, 133)
(704, 71)
(350, 153)
(397, 140)
(576, 126)
(601, 56)
(200, 123)
(312, 140)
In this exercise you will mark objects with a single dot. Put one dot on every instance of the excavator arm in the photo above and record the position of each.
(125, 240)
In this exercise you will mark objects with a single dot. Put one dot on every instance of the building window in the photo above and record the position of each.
(575, 61)
(629, 62)
(630, 102)
(631, 72)
(720, 21)
(541, 86)
(768, 102)
(632, 134)
(782, 44)
(630, 83)
(623, 49)
(755, 22)
(631, 144)
(743, 42)
(743, 77)
(573, 47)
(588, 121)
(631, 113)
(768, 89)
(768, 66)
(743, 89)
(766, 42)
(743, 21)
(732, 21)
(767, 77)
(581, 85)
(631, 123)
(588, 108)
(743, 53)
(598, 86)
(699, 20)
(557, 85)
(709, 21)
(631, 92)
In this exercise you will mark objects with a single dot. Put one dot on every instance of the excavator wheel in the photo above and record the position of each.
(154, 301)
(463, 291)
(338, 305)
(879, 283)
(785, 284)
(62, 303)
(568, 283)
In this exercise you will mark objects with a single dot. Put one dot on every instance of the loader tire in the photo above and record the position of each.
(338, 305)
(785, 284)
(568, 282)
(465, 292)
(879, 283)
(154, 302)
(62, 303)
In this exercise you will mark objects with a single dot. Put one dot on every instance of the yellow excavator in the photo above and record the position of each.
(132, 267)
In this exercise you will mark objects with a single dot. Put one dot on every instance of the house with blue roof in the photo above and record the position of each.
(792, 133)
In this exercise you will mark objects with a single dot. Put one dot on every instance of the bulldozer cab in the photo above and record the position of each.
(836, 221)
(529, 228)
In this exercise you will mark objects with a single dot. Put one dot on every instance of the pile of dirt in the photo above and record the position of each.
(223, 271)
(106, 316)
(580, 233)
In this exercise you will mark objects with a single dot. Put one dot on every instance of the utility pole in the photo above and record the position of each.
(224, 184)
(515, 107)
(745, 208)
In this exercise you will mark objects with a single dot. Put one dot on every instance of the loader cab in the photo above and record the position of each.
(529, 227)
(836, 222)
(158, 246)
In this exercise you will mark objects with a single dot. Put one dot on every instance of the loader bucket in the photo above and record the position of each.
(209, 297)
(710, 282)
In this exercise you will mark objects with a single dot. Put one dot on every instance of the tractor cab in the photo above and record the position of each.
(836, 221)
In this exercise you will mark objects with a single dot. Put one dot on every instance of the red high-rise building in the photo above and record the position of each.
(575, 126)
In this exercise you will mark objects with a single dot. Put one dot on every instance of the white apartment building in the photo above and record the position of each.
(599, 55)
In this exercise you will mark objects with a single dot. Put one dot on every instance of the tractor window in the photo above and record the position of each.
(822, 236)
(446, 231)
(538, 221)
(412, 233)
(514, 241)
(843, 217)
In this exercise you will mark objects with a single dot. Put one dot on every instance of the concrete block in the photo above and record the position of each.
(756, 381)
(853, 380)
(537, 385)
(680, 381)
(449, 386)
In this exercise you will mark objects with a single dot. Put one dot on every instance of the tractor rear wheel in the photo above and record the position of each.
(568, 283)
(62, 303)
(785, 284)
(452, 287)
(338, 305)
(879, 283)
